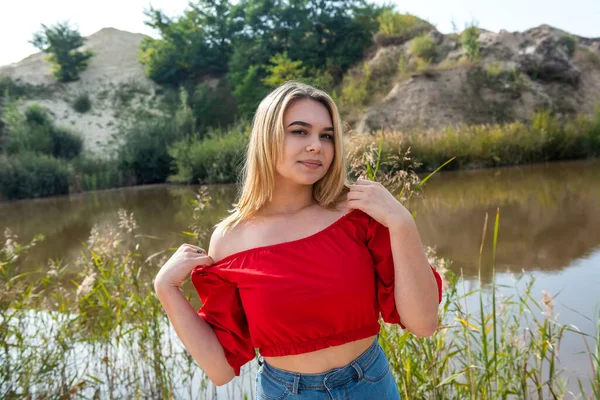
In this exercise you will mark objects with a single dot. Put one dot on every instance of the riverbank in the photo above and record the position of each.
(106, 333)
(219, 156)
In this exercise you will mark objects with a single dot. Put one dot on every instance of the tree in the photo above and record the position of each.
(192, 46)
(283, 69)
(61, 42)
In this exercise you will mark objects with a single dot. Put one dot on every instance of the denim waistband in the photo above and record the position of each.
(333, 377)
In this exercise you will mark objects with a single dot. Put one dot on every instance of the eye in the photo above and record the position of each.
(298, 131)
(327, 136)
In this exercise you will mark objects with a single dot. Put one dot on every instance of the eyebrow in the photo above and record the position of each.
(308, 125)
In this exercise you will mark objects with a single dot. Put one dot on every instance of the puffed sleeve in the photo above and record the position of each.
(378, 243)
(222, 309)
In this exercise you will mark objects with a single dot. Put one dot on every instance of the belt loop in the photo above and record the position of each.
(358, 370)
(296, 384)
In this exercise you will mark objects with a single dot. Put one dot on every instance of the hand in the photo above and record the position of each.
(374, 199)
(180, 265)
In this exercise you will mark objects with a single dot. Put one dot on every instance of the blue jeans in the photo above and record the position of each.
(367, 377)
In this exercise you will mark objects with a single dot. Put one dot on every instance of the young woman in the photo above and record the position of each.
(303, 266)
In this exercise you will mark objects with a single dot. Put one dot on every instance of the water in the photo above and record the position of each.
(549, 226)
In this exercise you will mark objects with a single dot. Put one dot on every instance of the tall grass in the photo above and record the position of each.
(94, 328)
(547, 138)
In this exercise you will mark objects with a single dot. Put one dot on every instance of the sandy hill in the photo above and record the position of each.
(114, 76)
(518, 73)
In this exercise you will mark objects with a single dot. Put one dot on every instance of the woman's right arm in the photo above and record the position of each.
(195, 333)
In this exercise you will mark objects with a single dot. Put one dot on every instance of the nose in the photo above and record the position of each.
(314, 145)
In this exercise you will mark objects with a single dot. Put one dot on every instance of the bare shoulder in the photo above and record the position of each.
(222, 244)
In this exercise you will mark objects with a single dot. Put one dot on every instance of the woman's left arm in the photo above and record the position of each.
(415, 289)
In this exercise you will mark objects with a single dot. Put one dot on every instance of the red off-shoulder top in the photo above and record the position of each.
(295, 297)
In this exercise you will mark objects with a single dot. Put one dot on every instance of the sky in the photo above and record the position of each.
(19, 20)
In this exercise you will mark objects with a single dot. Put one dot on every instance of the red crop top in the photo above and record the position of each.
(295, 297)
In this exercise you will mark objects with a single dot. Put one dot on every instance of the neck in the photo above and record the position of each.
(289, 198)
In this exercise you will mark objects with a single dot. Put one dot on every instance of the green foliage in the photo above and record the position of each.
(355, 88)
(144, 151)
(424, 47)
(65, 143)
(27, 175)
(82, 103)
(35, 131)
(193, 45)
(392, 23)
(250, 92)
(570, 43)
(61, 43)
(91, 173)
(494, 70)
(213, 107)
(216, 159)
(15, 89)
(547, 138)
(247, 41)
(283, 69)
(469, 42)
(184, 116)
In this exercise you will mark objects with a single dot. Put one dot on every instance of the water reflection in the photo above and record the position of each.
(550, 216)
(549, 223)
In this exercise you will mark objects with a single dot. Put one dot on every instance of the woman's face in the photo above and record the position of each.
(308, 147)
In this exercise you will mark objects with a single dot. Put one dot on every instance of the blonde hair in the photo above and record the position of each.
(265, 148)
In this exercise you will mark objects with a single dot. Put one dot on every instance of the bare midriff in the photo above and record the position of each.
(323, 360)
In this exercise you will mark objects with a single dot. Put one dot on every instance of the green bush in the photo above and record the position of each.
(34, 131)
(395, 24)
(424, 47)
(82, 103)
(355, 87)
(469, 41)
(65, 143)
(570, 43)
(216, 159)
(28, 175)
(213, 107)
(145, 149)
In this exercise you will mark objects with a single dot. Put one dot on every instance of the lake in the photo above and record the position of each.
(549, 227)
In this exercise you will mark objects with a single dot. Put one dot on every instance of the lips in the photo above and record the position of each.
(312, 162)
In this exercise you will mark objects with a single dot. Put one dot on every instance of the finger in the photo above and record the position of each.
(363, 182)
(205, 260)
(193, 249)
(352, 204)
(356, 188)
(354, 195)
(197, 257)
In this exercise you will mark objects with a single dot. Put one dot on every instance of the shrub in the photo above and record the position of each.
(424, 47)
(65, 143)
(494, 70)
(82, 103)
(34, 131)
(216, 159)
(355, 87)
(570, 43)
(469, 42)
(395, 24)
(32, 175)
(145, 149)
